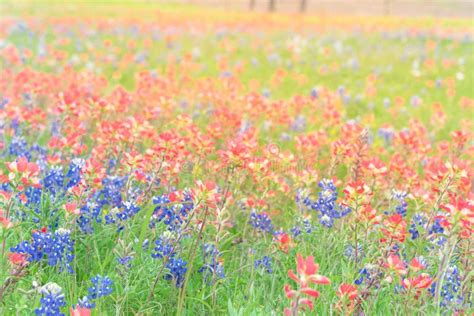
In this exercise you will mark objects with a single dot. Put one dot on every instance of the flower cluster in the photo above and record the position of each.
(176, 271)
(186, 148)
(261, 222)
(51, 301)
(101, 286)
(57, 248)
(326, 204)
(171, 211)
(450, 292)
(163, 247)
(400, 199)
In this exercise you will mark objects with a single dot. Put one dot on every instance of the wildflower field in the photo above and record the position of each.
(175, 160)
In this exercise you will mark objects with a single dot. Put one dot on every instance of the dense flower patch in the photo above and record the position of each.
(184, 165)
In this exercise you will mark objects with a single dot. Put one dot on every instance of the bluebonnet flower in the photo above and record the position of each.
(33, 196)
(314, 93)
(363, 274)
(145, 244)
(422, 261)
(387, 135)
(102, 286)
(73, 175)
(54, 180)
(326, 204)
(85, 302)
(451, 296)
(56, 128)
(140, 57)
(134, 191)
(129, 210)
(367, 273)
(42, 152)
(163, 248)
(226, 74)
(437, 230)
(111, 193)
(111, 165)
(118, 216)
(244, 126)
(266, 93)
(341, 90)
(307, 226)
(90, 212)
(304, 226)
(124, 254)
(172, 215)
(212, 268)
(15, 125)
(176, 270)
(296, 231)
(265, 264)
(33, 202)
(302, 200)
(298, 124)
(261, 222)
(350, 252)
(52, 300)
(346, 98)
(3, 102)
(417, 222)
(58, 248)
(125, 261)
(19, 148)
(399, 197)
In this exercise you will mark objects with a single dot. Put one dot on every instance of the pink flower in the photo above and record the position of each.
(307, 271)
(416, 265)
(17, 259)
(71, 208)
(418, 283)
(394, 263)
(80, 311)
(27, 171)
(5, 222)
(284, 241)
(347, 294)
(347, 290)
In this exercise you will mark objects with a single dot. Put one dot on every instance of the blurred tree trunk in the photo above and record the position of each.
(252, 4)
(271, 5)
(303, 6)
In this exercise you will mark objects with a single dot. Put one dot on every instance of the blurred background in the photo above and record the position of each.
(441, 8)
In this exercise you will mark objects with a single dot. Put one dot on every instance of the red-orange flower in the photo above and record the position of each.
(395, 228)
(72, 208)
(284, 241)
(80, 311)
(308, 272)
(396, 264)
(417, 283)
(347, 290)
(17, 259)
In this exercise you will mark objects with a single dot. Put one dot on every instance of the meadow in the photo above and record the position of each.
(178, 160)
